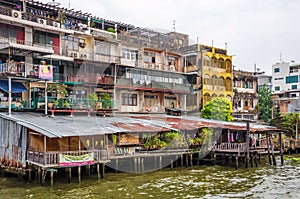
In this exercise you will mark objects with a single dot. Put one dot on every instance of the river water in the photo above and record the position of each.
(265, 181)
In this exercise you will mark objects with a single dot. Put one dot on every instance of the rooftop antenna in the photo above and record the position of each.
(225, 45)
(69, 4)
(53, 3)
(280, 57)
(174, 27)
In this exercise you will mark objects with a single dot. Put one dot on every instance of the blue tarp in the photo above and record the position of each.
(16, 87)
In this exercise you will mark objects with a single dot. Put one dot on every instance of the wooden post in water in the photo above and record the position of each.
(236, 162)
(187, 160)
(142, 165)
(191, 159)
(247, 144)
(255, 159)
(103, 170)
(117, 162)
(171, 164)
(155, 162)
(281, 154)
(135, 164)
(272, 150)
(181, 160)
(79, 174)
(39, 175)
(69, 175)
(51, 177)
(88, 169)
(98, 171)
(268, 145)
(160, 162)
(29, 175)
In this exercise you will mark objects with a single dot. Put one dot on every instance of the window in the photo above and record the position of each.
(149, 57)
(44, 38)
(129, 54)
(276, 70)
(102, 48)
(277, 88)
(191, 60)
(129, 99)
(292, 79)
(294, 87)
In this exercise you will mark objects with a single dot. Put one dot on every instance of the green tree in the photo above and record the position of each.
(289, 122)
(265, 104)
(219, 108)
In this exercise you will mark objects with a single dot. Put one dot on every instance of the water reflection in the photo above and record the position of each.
(198, 182)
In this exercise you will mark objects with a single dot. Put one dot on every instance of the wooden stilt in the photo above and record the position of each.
(191, 159)
(255, 158)
(98, 171)
(236, 162)
(247, 144)
(51, 177)
(79, 174)
(142, 165)
(88, 170)
(214, 159)
(155, 162)
(186, 160)
(117, 165)
(39, 175)
(69, 175)
(171, 164)
(281, 153)
(251, 160)
(272, 150)
(181, 160)
(160, 162)
(103, 170)
(135, 164)
(29, 175)
(268, 145)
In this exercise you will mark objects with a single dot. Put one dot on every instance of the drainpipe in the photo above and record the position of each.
(184, 97)
(115, 82)
(9, 96)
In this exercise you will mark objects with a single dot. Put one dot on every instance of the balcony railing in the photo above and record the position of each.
(91, 78)
(231, 147)
(151, 85)
(52, 157)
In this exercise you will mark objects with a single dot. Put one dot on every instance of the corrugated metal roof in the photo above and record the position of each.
(65, 126)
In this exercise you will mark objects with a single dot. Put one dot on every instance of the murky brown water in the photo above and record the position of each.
(197, 182)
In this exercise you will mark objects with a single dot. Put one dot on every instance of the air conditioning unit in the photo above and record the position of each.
(172, 68)
(56, 24)
(16, 14)
(42, 21)
(73, 54)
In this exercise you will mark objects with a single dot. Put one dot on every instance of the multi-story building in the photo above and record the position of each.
(285, 78)
(209, 69)
(263, 80)
(43, 44)
(245, 97)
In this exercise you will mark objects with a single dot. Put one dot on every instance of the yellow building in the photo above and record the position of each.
(216, 73)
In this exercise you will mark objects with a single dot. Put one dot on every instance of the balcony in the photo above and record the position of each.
(153, 86)
(230, 147)
(14, 69)
(51, 159)
(92, 79)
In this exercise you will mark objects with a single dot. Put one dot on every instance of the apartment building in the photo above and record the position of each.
(209, 70)
(42, 44)
(245, 95)
(285, 78)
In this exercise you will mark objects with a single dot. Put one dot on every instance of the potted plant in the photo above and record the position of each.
(55, 104)
(93, 99)
(106, 101)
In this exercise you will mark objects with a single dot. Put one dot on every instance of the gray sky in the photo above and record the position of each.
(256, 31)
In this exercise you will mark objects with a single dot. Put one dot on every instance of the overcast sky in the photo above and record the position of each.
(256, 31)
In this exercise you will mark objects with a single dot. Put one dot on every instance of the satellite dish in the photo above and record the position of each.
(53, 3)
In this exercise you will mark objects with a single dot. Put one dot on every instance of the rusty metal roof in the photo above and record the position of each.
(66, 126)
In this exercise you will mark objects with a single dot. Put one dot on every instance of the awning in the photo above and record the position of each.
(16, 87)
